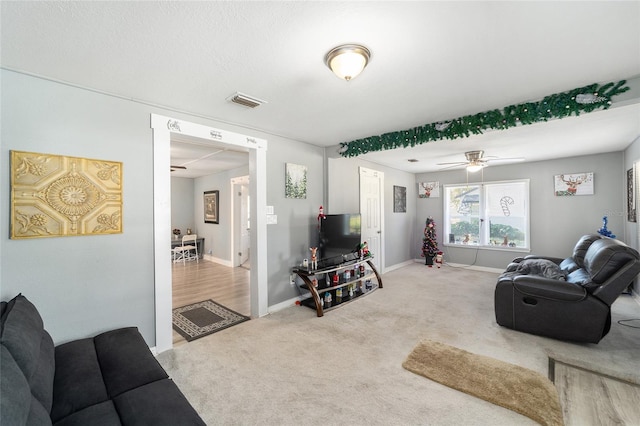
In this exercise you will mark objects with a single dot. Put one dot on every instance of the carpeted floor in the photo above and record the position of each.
(293, 368)
(204, 318)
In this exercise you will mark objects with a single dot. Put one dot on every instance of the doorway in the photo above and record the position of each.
(163, 127)
(371, 202)
(241, 208)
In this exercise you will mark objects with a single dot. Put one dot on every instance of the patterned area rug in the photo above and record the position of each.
(204, 318)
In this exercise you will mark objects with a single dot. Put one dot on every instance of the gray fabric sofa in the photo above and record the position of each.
(110, 379)
(567, 299)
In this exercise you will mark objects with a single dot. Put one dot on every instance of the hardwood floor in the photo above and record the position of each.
(197, 281)
(608, 401)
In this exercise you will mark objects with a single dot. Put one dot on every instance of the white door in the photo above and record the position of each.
(371, 202)
(245, 224)
(241, 220)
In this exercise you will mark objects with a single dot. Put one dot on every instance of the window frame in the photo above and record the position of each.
(483, 213)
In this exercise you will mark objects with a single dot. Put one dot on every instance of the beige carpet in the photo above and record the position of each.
(293, 368)
(510, 386)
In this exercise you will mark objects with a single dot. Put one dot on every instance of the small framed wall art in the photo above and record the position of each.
(399, 199)
(211, 206)
(295, 185)
(429, 190)
(631, 196)
(573, 184)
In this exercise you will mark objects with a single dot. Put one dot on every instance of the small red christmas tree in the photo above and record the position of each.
(429, 243)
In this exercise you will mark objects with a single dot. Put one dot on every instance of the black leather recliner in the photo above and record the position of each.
(567, 299)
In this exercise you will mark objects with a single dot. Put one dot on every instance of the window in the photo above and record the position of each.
(490, 214)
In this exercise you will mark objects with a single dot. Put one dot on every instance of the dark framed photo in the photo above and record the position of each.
(631, 196)
(399, 199)
(211, 206)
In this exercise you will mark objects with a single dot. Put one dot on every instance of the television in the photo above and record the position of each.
(340, 236)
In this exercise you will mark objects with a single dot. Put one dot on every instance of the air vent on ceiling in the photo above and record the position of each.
(245, 100)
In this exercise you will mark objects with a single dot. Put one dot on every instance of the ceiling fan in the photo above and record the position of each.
(174, 168)
(476, 161)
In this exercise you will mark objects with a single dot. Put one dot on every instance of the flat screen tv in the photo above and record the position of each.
(339, 236)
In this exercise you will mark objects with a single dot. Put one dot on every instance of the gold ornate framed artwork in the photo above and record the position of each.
(59, 196)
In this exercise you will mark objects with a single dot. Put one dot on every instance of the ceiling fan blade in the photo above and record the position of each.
(179, 167)
(459, 163)
(453, 166)
(507, 160)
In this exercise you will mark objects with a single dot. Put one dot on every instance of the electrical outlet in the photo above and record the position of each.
(292, 279)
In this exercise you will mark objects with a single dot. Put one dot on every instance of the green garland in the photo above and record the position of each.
(559, 105)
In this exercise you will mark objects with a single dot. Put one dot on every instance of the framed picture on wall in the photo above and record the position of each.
(211, 206)
(631, 196)
(399, 199)
(295, 185)
(573, 184)
(429, 190)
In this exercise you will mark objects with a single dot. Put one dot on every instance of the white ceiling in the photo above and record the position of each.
(431, 61)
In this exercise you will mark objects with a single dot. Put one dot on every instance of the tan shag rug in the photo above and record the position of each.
(510, 386)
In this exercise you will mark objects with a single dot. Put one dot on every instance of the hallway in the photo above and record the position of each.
(197, 281)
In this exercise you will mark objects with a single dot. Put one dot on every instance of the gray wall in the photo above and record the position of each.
(84, 285)
(182, 204)
(632, 155)
(87, 284)
(217, 236)
(296, 230)
(343, 188)
(556, 222)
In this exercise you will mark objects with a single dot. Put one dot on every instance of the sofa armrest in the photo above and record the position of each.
(537, 286)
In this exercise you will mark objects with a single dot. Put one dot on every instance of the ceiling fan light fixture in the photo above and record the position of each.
(348, 60)
(474, 167)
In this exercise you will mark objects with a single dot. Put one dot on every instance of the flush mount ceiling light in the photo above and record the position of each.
(348, 60)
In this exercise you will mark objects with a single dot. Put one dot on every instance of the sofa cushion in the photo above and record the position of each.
(582, 246)
(30, 346)
(103, 414)
(78, 380)
(126, 361)
(15, 395)
(569, 265)
(605, 257)
(159, 404)
(582, 278)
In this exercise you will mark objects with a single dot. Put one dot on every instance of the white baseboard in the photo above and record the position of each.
(398, 266)
(283, 305)
(475, 267)
(222, 262)
(462, 265)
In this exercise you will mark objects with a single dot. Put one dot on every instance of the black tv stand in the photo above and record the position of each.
(342, 290)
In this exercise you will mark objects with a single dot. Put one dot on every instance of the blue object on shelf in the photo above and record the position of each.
(604, 231)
